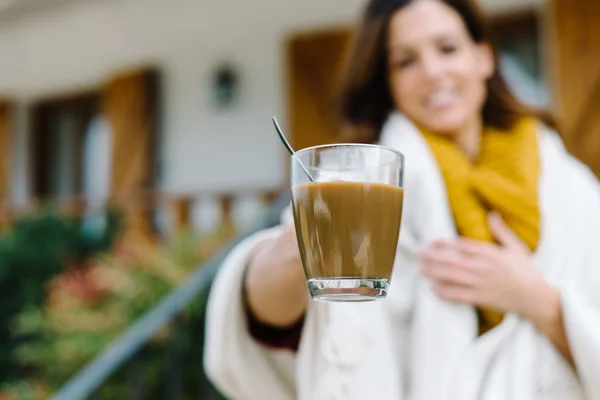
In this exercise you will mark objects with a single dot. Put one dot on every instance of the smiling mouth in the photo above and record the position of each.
(442, 99)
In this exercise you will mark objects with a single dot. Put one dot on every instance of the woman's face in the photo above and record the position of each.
(437, 73)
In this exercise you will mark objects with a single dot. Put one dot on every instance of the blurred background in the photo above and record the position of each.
(137, 147)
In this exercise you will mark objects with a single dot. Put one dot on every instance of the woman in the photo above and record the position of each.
(495, 293)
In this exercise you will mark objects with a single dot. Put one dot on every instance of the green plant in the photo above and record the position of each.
(37, 249)
(85, 309)
(75, 325)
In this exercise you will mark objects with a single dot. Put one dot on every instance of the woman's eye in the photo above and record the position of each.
(448, 49)
(402, 63)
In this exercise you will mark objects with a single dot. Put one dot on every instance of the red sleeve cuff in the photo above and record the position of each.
(286, 338)
(283, 338)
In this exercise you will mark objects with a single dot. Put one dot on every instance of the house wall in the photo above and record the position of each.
(80, 44)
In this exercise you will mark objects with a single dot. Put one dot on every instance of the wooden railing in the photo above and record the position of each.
(141, 208)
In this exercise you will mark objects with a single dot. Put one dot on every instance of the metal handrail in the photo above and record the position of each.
(88, 380)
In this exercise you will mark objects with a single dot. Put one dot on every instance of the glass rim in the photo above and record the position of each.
(324, 146)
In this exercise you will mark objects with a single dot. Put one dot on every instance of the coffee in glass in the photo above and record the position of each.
(347, 203)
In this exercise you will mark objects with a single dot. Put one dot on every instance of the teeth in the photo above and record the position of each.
(441, 99)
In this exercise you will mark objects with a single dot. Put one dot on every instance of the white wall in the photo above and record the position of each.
(82, 44)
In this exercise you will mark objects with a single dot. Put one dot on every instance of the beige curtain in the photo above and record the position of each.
(129, 104)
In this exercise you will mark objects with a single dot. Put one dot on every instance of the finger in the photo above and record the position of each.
(452, 260)
(468, 247)
(454, 293)
(448, 275)
(503, 234)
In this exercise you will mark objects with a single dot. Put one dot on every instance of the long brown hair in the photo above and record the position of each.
(365, 97)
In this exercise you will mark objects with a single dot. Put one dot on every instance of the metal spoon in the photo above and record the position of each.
(289, 147)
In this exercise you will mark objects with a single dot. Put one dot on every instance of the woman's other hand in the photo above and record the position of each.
(498, 276)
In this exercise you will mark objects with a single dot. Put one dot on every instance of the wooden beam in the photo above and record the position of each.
(6, 131)
(576, 60)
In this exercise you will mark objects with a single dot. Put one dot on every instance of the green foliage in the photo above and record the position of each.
(38, 248)
(129, 281)
(70, 315)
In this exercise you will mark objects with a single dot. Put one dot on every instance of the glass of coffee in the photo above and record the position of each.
(347, 202)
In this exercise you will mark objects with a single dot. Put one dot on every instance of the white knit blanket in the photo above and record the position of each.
(412, 345)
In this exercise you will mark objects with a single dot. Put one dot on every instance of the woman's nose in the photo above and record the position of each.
(432, 66)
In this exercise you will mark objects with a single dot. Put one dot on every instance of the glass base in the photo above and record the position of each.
(348, 289)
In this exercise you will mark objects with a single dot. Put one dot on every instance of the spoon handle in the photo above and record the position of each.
(287, 144)
(289, 147)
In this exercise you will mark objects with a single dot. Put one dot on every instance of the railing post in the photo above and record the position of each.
(226, 201)
(269, 197)
(182, 211)
(138, 215)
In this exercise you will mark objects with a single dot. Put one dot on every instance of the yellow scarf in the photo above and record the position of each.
(504, 179)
